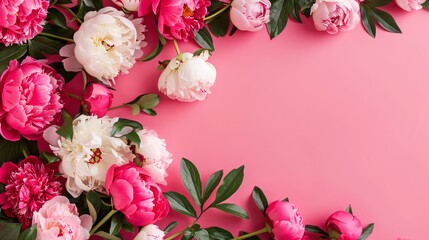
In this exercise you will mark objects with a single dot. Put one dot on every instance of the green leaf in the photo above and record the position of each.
(315, 229)
(14, 151)
(29, 234)
(386, 21)
(295, 13)
(50, 158)
(279, 13)
(230, 185)
(10, 53)
(376, 3)
(191, 179)
(349, 209)
(41, 44)
(135, 109)
(202, 234)
(286, 200)
(62, 32)
(260, 199)
(115, 224)
(96, 4)
(149, 112)
(105, 235)
(367, 231)
(220, 26)
(211, 184)
(305, 6)
(204, 39)
(61, 1)
(425, 5)
(133, 137)
(9, 230)
(146, 101)
(368, 20)
(126, 225)
(94, 204)
(217, 233)
(123, 123)
(233, 30)
(215, 5)
(233, 209)
(170, 227)
(59, 67)
(249, 238)
(57, 17)
(154, 53)
(180, 204)
(66, 130)
(188, 234)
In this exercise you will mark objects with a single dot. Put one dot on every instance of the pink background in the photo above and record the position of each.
(324, 120)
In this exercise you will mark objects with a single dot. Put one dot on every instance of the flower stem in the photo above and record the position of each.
(175, 235)
(55, 36)
(24, 153)
(264, 230)
(117, 107)
(85, 79)
(176, 46)
(74, 96)
(218, 12)
(71, 12)
(103, 221)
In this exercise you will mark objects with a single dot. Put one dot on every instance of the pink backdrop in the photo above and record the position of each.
(324, 120)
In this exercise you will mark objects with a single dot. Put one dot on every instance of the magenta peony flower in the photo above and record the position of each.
(135, 194)
(250, 15)
(342, 225)
(30, 99)
(21, 20)
(58, 219)
(285, 221)
(177, 18)
(28, 186)
(97, 99)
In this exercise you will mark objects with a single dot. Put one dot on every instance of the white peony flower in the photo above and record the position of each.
(154, 155)
(106, 44)
(150, 232)
(188, 78)
(86, 159)
(130, 5)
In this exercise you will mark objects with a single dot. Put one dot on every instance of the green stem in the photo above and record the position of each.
(117, 107)
(24, 153)
(85, 79)
(74, 96)
(264, 230)
(55, 36)
(190, 225)
(72, 13)
(103, 221)
(54, 2)
(218, 12)
(175, 235)
(176, 46)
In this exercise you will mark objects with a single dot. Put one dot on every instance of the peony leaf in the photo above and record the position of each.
(315, 229)
(279, 13)
(170, 227)
(220, 27)
(188, 234)
(204, 39)
(425, 5)
(260, 199)
(66, 130)
(214, 6)
(9, 230)
(133, 137)
(295, 13)
(14, 151)
(49, 158)
(29, 233)
(366, 232)
(62, 32)
(233, 209)
(385, 20)
(368, 20)
(61, 2)
(211, 184)
(191, 179)
(376, 3)
(155, 52)
(217, 233)
(94, 204)
(148, 101)
(233, 30)
(180, 204)
(57, 17)
(135, 109)
(230, 185)
(149, 112)
(115, 224)
(9, 53)
(349, 209)
(41, 44)
(105, 235)
(202, 234)
(123, 123)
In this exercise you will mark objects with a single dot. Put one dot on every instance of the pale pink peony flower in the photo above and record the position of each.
(129, 5)
(97, 99)
(409, 5)
(153, 155)
(30, 99)
(335, 16)
(58, 219)
(250, 15)
(150, 232)
(21, 20)
(285, 221)
(342, 225)
(28, 186)
(177, 18)
(134, 194)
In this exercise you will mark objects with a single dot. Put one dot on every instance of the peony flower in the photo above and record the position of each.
(21, 20)
(86, 159)
(177, 18)
(150, 232)
(250, 15)
(342, 225)
(28, 186)
(30, 99)
(129, 5)
(335, 16)
(153, 155)
(134, 194)
(97, 99)
(59, 219)
(106, 44)
(409, 5)
(285, 221)
(187, 78)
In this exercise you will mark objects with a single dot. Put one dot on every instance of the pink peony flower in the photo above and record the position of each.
(135, 194)
(250, 15)
(58, 219)
(28, 186)
(285, 221)
(409, 5)
(30, 99)
(21, 20)
(342, 225)
(97, 99)
(335, 16)
(177, 18)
